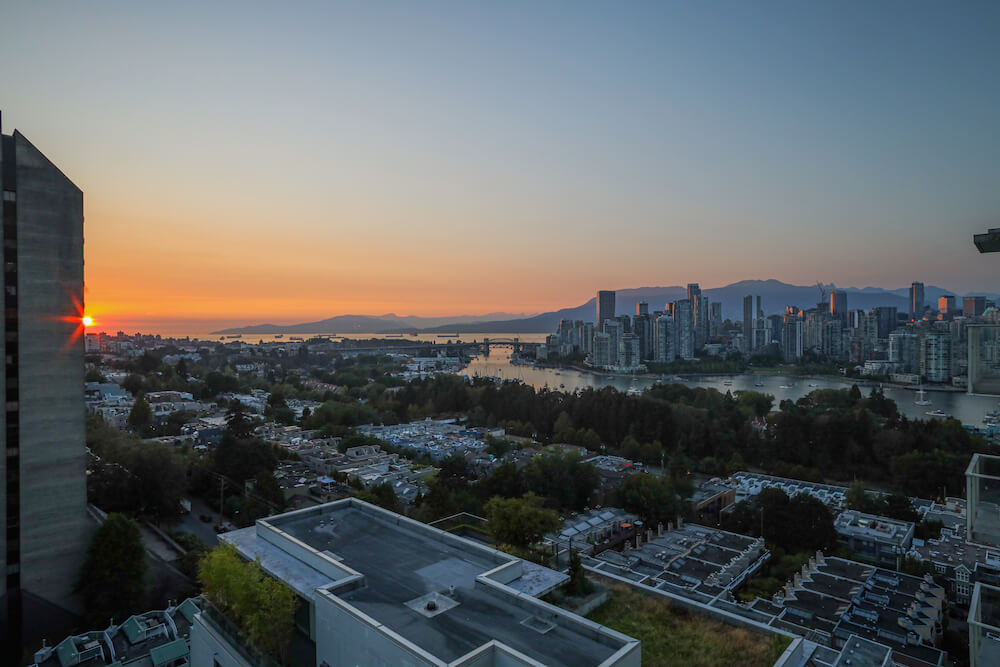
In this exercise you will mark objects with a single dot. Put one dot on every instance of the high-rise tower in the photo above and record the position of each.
(43, 504)
(605, 307)
(916, 301)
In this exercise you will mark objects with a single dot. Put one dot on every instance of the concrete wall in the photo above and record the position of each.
(345, 636)
(208, 645)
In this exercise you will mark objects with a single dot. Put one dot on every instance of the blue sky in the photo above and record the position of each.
(310, 158)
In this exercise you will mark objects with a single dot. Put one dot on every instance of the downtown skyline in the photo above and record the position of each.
(293, 165)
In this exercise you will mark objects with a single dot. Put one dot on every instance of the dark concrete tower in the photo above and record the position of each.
(43, 504)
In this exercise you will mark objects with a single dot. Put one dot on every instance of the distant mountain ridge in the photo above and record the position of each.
(775, 296)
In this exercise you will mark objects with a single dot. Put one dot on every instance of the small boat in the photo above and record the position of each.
(813, 384)
(922, 399)
(936, 413)
(728, 383)
(785, 386)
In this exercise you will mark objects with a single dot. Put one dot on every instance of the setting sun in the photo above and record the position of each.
(87, 320)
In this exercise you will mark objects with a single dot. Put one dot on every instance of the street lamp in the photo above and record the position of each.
(988, 242)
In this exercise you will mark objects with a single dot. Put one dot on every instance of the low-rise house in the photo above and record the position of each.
(876, 538)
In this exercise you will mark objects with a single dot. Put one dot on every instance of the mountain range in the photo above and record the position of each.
(775, 296)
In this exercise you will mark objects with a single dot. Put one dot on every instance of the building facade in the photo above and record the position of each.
(43, 506)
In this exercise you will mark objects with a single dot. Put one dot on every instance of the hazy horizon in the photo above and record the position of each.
(250, 162)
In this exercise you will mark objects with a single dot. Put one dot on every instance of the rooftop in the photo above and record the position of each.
(387, 567)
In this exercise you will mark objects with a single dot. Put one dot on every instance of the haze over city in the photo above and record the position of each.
(245, 162)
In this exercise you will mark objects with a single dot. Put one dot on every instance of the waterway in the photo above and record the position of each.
(968, 409)
(420, 337)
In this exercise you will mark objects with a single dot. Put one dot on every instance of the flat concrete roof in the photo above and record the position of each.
(401, 564)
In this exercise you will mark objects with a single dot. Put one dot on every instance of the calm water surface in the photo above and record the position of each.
(969, 409)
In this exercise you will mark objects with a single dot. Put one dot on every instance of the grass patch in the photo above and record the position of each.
(672, 636)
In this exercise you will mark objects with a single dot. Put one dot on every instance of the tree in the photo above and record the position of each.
(263, 607)
(140, 419)
(578, 583)
(519, 521)
(238, 425)
(111, 582)
(650, 496)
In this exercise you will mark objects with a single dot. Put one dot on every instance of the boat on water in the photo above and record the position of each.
(785, 386)
(727, 383)
(813, 384)
(279, 335)
(922, 397)
(936, 413)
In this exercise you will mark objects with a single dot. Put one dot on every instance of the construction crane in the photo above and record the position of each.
(822, 292)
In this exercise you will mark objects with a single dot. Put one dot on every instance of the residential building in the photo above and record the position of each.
(885, 316)
(831, 600)
(935, 357)
(43, 504)
(376, 588)
(666, 338)
(684, 323)
(973, 306)
(875, 538)
(982, 494)
(983, 354)
(946, 304)
(151, 639)
(904, 350)
(641, 308)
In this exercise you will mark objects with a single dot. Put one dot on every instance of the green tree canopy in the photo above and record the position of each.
(519, 521)
(263, 607)
(111, 580)
(140, 419)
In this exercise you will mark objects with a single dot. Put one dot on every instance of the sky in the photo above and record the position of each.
(257, 161)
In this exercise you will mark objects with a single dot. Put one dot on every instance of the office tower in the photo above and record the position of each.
(642, 308)
(838, 305)
(916, 300)
(935, 357)
(973, 306)
(946, 304)
(626, 323)
(666, 338)
(605, 307)
(43, 506)
(693, 291)
(749, 315)
(684, 323)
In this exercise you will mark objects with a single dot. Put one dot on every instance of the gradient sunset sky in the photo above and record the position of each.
(246, 162)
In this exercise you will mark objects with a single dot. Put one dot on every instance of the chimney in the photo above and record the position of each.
(680, 523)
(638, 540)
(819, 557)
(649, 534)
(796, 580)
(659, 529)
(670, 526)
